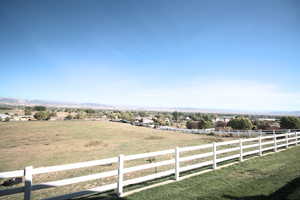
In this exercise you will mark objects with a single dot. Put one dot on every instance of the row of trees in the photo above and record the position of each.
(243, 123)
(290, 122)
(44, 115)
(193, 120)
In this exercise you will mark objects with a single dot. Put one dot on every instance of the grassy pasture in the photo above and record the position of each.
(43, 143)
(272, 177)
(46, 143)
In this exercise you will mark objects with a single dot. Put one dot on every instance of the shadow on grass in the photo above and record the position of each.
(281, 194)
(111, 196)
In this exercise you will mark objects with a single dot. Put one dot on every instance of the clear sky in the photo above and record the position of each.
(206, 54)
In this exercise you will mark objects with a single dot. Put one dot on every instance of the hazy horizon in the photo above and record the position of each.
(194, 54)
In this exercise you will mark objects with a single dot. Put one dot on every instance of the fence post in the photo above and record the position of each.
(241, 150)
(120, 175)
(214, 156)
(260, 147)
(287, 140)
(28, 182)
(296, 133)
(177, 164)
(275, 142)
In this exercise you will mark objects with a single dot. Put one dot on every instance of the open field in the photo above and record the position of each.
(42, 143)
(46, 143)
(272, 177)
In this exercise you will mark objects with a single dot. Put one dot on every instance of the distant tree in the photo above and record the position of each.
(176, 115)
(7, 119)
(68, 110)
(264, 125)
(126, 116)
(5, 108)
(142, 114)
(290, 122)
(39, 108)
(90, 111)
(240, 123)
(69, 117)
(80, 115)
(27, 110)
(221, 124)
(42, 115)
(192, 124)
(201, 124)
(52, 114)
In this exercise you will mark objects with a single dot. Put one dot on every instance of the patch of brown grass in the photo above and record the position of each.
(154, 138)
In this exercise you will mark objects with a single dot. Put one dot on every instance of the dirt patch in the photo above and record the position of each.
(154, 138)
(95, 143)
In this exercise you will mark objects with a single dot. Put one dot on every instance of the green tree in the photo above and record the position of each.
(90, 111)
(240, 123)
(52, 114)
(290, 122)
(27, 110)
(176, 115)
(264, 125)
(221, 124)
(127, 116)
(69, 117)
(201, 124)
(42, 115)
(142, 114)
(80, 115)
(39, 108)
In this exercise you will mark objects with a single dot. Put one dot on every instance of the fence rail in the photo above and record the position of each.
(260, 144)
(248, 133)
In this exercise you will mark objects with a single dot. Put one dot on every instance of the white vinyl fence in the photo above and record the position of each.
(216, 153)
(242, 133)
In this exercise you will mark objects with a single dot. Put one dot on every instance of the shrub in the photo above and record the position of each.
(68, 117)
(221, 124)
(42, 115)
(39, 108)
(240, 123)
(27, 110)
(264, 125)
(201, 124)
(290, 122)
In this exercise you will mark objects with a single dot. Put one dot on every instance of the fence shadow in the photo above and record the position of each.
(111, 196)
(281, 194)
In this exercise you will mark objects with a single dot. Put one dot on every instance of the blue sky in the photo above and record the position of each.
(208, 54)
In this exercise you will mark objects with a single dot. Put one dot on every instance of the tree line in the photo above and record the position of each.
(191, 120)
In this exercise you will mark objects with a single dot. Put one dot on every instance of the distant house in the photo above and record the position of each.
(15, 118)
(3, 117)
(267, 119)
(223, 118)
(147, 121)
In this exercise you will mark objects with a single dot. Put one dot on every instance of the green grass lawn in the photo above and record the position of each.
(274, 176)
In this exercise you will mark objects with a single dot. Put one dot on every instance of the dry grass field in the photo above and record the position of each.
(43, 143)
(46, 143)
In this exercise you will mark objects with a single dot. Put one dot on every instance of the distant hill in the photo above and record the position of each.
(25, 102)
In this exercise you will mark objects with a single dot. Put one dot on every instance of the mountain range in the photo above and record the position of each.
(26, 102)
